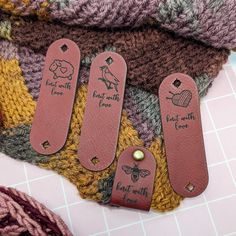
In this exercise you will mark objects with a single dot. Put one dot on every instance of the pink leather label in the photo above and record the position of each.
(54, 107)
(134, 180)
(101, 121)
(181, 121)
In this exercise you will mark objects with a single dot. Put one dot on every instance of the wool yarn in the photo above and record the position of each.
(23, 215)
(211, 21)
(151, 54)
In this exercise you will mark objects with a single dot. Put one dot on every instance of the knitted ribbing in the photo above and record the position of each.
(23, 215)
(211, 21)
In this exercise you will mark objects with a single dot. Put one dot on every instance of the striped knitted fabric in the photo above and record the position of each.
(20, 214)
(211, 21)
(151, 51)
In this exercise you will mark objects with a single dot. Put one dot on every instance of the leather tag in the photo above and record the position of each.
(181, 121)
(54, 107)
(134, 179)
(101, 122)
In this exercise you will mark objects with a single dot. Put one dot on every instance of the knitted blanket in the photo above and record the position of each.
(147, 34)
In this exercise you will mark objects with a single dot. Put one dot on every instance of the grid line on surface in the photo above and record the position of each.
(66, 206)
(220, 143)
(210, 214)
(142, 225)
(105, 220)
(177, 224)
(26, 178)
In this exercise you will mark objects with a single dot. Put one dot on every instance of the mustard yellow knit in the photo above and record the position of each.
(25, 6)
(16, 103)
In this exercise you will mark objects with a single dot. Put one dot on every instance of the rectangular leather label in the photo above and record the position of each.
(54, 107)
(134, 179)
(104, 103)
(182, 129)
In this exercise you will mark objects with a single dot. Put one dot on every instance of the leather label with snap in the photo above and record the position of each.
(134, 179)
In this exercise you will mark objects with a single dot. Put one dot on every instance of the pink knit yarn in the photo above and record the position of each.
(20, 213)
(108, 13)
(211, 21)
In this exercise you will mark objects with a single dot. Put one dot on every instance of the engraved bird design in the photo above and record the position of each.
(109, 79)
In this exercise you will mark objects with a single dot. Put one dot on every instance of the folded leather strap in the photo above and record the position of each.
(134, 179)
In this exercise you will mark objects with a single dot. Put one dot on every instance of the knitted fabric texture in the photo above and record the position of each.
(211, 21)
(23, 215)
(151, 54)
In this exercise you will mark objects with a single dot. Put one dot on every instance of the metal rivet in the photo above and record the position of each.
(190, 187)
(138, 155)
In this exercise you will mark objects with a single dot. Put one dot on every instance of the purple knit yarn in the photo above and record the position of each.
(8, 51)
(31, 65)
(211, 21)
(109, 13)
(142, 126)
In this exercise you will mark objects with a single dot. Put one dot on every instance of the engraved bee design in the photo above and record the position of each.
(181, 99)
(135, 172)
(110, 81)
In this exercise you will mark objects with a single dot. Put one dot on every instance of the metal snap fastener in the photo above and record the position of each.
(138, 155)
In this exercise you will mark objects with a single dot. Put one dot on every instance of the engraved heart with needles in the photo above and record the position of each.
(181, 99)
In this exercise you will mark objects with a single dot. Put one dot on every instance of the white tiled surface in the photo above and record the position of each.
(212, 213)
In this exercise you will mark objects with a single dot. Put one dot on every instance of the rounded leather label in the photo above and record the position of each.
(101, 122)
(56, 98)
(182, 129)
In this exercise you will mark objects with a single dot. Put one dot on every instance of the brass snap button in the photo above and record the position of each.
(138, 155)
